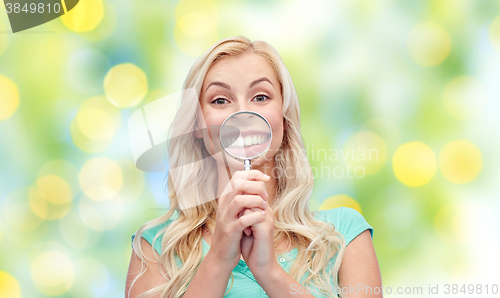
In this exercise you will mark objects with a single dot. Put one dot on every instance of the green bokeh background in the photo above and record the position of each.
(357, 66)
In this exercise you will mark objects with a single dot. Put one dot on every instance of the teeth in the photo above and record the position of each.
(241, 142)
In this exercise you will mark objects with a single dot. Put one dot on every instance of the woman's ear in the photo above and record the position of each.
(197, 131)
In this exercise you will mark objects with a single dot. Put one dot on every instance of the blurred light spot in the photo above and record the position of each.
(93, 279)
(61, 168)
(464, 97)
(428, 44)
(53, 273)
(86, 70)
(125, 85)
(95, 124)
(18, 213)
(460, 161)
(85, 16)
(365, 150)
(3, 39)
(9, 95)
(133, 181)
(51, 198)
(106, 26)
(449, 223)
(340, 201)
(101, 178)
(101, 216)
(414, 164)
(495, 33)
(54, 189)
(76, 233)
(196, 25)
(9, 286)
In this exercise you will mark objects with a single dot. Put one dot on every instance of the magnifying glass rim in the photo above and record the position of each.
(253, 157)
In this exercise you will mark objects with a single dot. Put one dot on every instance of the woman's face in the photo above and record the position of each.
(233, 84)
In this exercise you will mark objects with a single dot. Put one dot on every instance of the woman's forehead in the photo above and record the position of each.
(247, 66)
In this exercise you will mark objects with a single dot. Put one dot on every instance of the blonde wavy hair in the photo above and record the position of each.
(317, 242)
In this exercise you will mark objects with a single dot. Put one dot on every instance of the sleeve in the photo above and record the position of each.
(352, 223)
(150, 234)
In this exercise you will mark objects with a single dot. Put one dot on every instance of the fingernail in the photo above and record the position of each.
(263, 212)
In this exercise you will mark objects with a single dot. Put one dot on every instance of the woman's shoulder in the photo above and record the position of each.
(347, 221)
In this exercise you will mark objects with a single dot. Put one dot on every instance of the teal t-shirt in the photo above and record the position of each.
(348, 222)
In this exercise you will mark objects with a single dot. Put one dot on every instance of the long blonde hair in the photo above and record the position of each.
(317, 242)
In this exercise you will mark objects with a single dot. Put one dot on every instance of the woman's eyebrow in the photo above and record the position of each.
(229, 87)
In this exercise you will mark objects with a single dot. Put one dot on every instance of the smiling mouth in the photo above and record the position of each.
(241, 142)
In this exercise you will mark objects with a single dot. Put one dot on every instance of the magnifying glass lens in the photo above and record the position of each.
(245, 135)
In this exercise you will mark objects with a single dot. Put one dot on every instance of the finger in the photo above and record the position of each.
(240, 202)
(251, 175)
(253, 188)
(248, 220)
(240, 176)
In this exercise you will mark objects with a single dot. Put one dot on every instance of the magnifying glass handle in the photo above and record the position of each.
(246, 165)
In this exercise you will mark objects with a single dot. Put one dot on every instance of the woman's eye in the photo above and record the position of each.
(219, 101)
(261, 97)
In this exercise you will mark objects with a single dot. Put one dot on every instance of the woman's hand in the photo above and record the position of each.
(258, 249)
(249, 192)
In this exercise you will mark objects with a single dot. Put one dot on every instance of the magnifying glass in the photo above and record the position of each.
(245, 136)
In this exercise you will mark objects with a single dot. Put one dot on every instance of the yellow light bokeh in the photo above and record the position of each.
(54, 189)
(53, 273)
(125, 85)
(9, 95)
(101, 178)
(3, 39)
(51, 198)
(366, 150)
(460, 161)
(196, 26)
(9, 286)
(464, 97)
(85, 16)
(414, 164)
(428, 44)
(494, 33)
(61, 168)
(95, 124)
(340, 201)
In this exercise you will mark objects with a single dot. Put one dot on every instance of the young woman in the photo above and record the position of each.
(234, 233)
